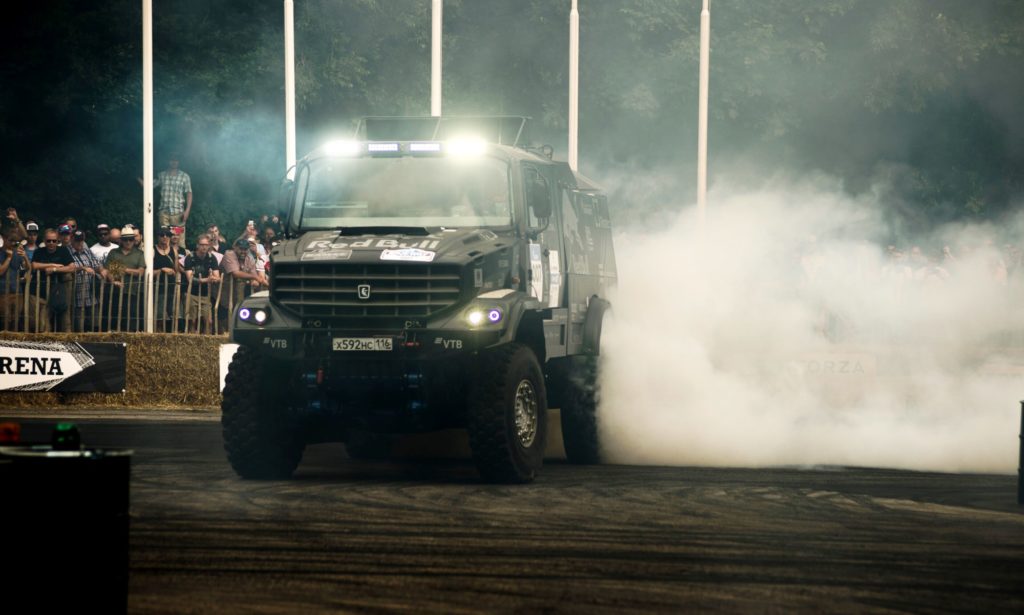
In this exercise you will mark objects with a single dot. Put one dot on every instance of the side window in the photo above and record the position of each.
(538, 197)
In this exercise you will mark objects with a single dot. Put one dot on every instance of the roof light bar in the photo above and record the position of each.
(382, 147)
(343, 148)
(425, 147)
(467, 147)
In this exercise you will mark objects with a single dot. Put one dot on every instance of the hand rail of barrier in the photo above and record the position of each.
(95, 303)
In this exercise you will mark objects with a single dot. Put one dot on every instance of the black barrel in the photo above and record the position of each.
(66, 522)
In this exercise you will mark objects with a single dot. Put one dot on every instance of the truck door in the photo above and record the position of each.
(546, 258)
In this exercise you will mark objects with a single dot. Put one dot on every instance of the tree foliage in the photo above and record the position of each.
(919, 93)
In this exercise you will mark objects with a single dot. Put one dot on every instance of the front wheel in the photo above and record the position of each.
(261, 437)
(508, 420)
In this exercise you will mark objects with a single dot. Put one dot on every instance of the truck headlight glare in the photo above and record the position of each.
(484, 316)
(470, 147)
(343, 148)
(260, 316)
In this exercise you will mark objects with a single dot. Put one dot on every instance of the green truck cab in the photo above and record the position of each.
(431, 281)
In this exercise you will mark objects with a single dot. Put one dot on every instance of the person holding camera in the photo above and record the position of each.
(13, 261)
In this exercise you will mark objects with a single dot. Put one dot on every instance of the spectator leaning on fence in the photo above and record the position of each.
(125, 269)
(103, 247)
(240, 265)
(88, 271)
(47, 292)
(131, 260)
(201, 272)
(166, 268)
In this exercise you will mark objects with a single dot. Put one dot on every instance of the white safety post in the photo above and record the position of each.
(147, 155)
(289, 85)
(574, 85)
(702, 120)
(435, 59)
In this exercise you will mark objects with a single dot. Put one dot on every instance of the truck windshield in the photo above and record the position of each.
(421, 192)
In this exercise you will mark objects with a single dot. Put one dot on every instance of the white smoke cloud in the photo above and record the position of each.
(785, 334)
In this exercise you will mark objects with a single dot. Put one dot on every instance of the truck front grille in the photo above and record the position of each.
(333, 290)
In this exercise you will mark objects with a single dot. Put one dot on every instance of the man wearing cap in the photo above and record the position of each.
(165, 278)
(48, 295)
(125, 269)
(31, 239)
(175, 196)
(178, 243)
(103, 247)
(88, 269)
(240, 265)
(65, 235)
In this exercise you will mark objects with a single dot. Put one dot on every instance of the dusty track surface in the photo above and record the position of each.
(428, 537)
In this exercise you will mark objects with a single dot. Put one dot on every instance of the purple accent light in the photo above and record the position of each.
(244, 313)
(494, 315)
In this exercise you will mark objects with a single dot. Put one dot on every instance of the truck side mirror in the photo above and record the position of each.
(540, 198)
(284, 197)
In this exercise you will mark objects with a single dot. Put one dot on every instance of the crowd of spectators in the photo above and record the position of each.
(63, 277)
(854, 287)
(983, 261)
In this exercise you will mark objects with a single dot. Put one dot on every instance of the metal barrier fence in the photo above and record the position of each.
(83, 302)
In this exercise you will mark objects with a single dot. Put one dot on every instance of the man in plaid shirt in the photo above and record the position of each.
(175, 196)
(88, 272)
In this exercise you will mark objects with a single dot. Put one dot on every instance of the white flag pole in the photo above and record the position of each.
(702, 120)
(435, 59)
(289, 85)
(147, 156)
(574, 85)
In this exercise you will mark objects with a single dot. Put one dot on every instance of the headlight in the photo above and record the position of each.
(481, 316)
(259, 316)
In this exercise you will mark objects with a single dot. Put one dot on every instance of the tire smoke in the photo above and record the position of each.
(790, 332)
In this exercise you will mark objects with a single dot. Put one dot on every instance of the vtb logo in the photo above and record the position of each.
(363, 291)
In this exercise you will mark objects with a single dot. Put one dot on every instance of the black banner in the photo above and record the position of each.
(67, 367)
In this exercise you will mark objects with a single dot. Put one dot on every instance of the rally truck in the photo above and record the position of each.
(435, 274)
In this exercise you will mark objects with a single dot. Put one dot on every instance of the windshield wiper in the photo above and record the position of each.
(382, 230)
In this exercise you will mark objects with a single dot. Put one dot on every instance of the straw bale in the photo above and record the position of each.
(163, 371)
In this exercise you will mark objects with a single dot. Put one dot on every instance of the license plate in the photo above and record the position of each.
(349, 344)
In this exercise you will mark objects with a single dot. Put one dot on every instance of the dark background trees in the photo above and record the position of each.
(921, 95)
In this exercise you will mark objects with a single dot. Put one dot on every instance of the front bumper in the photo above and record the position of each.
(284, 336)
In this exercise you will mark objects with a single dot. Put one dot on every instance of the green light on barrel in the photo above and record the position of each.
(65, 437)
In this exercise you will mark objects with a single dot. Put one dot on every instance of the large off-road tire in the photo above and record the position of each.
(368, 445)
(507, 420)
(261, 436)
(579, 412)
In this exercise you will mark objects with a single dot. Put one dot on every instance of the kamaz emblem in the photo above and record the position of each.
(363, 291)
